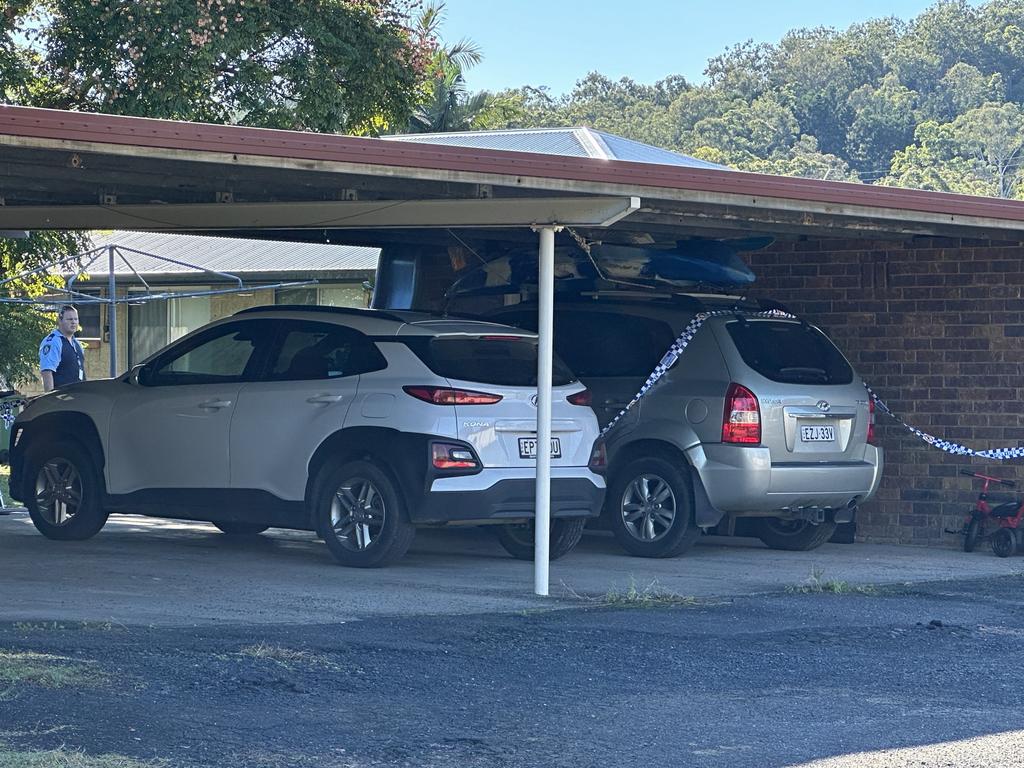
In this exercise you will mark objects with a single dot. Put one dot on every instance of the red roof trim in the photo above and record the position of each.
(30, 122)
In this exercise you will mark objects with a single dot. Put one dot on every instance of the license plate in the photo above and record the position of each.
(817, 434)
(528, 448)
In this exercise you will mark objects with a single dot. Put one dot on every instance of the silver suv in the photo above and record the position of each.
(762, 427)
(357, 424)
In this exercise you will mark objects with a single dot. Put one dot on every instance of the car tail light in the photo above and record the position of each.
(448, 396)
(452, 456)
(583, 397)
(871, 421)
(741, 422)
(598, 463)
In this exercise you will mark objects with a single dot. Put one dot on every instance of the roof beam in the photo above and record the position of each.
(383, 214)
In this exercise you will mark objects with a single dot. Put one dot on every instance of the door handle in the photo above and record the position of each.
(215, 404)
(325, 399)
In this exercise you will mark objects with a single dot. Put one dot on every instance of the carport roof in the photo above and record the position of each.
(68, 170)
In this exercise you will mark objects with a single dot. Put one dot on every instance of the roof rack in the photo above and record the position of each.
(383, 315)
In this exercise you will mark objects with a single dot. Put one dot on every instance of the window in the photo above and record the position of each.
(340, 295)
(228, 353)
(152, 325)
(790, 353)
(89, 320)
(602, 344)
(487, 360)
(309, 351)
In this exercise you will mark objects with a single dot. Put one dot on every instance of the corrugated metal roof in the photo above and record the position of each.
(225, 254)
(567, 142)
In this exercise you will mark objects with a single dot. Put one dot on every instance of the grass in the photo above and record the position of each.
(649, 595)
(55, 626)
(283, 655)
(63, 758)
(46, 670)
(817, 584)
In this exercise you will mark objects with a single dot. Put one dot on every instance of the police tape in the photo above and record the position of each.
(680, 344)
(8, 413)
(686, 337)
(997, 454)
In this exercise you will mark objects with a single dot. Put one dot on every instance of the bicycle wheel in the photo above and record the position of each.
(975, 533)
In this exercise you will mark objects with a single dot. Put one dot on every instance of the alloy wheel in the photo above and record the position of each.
(648, 507)
(357, 514)
(58, 491)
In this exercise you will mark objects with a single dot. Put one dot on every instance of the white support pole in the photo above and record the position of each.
(545, 331)
(112, 312)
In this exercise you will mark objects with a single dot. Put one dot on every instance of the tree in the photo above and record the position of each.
(747, 132)
(993, 135)
(979, 153)
(963, 88)
(883, 122)
(948, 32)
(803, 159)
(322, 65)
(23, 327)
(446, 103)
(744, 70)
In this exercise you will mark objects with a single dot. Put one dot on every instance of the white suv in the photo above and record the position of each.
(357, 424)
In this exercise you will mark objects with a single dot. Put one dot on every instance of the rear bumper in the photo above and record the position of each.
(743, 480)
(507, 495)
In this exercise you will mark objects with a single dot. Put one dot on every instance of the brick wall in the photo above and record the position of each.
(936, 327)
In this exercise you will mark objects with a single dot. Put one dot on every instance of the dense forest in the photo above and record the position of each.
(935, 103)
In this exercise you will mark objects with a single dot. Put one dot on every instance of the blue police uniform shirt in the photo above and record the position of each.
(65, 358)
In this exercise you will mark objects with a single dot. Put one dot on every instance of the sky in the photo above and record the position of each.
(557, 42)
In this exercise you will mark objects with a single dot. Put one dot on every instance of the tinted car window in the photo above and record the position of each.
(308, 351)
(224, 354)
(604, 343)
(511, 361)
(790, 353)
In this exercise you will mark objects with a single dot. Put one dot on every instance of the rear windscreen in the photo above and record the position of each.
(511, 361)
(790, 353)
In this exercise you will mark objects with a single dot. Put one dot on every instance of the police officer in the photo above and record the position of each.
(61, 357)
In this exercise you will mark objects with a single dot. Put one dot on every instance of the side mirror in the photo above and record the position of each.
(139, 374)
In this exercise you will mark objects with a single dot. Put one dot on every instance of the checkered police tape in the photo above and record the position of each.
(680, 344)
(9, 411)
(691, 329)
(997, 454)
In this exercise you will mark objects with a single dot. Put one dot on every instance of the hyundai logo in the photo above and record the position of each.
(533, 400)
(823, 405)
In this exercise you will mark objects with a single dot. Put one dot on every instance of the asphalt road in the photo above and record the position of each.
(165, 641)
(906, 677)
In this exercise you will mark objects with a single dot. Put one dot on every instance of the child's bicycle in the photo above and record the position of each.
(1000, 524)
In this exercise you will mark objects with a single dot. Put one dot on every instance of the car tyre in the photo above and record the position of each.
(650, 508)
(518, 538)
(65, 500)
(359, 512)
(232, 528)
(794, 535)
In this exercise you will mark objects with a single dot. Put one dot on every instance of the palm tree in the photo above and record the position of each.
(447, 104)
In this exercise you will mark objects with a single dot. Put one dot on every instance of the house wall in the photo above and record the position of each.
(936, 328)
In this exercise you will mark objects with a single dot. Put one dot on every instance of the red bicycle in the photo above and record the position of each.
(1008, 534)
